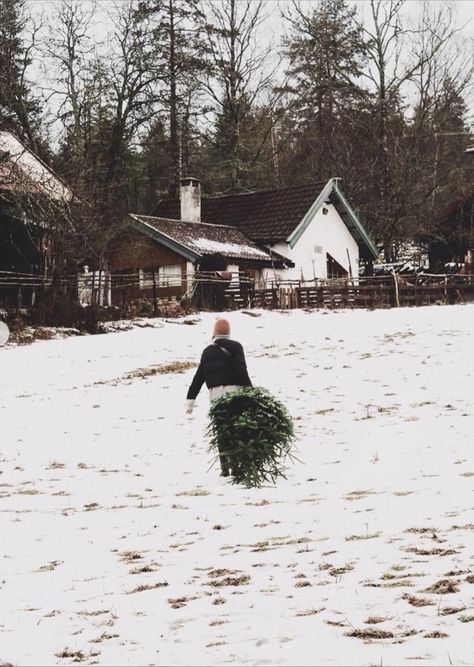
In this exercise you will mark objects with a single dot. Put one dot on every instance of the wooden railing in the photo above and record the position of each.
(239, 290)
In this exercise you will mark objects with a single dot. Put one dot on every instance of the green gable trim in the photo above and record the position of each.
(298, 232)
(353, 223)
(165, 240)
(331, 192)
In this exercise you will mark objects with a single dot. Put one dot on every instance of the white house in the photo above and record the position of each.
(301, 233)
(312, 226)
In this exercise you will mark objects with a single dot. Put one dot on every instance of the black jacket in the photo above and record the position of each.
(219, 368)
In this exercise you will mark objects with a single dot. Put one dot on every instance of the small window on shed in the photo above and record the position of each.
(170, 276)
(145, 278)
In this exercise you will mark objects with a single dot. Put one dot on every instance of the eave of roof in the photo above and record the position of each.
(352, 222)
(141, 226)
(25, 172)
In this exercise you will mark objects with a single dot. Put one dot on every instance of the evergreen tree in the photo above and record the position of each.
(326, 51)
(237, 79)
(156, 165)
(176, 57)
(19, 110)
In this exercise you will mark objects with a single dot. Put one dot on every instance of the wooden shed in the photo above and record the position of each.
(157, 258)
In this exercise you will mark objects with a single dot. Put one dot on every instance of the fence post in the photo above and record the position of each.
(397, 296)
(155, 303)
(99, 288)
(92, 303)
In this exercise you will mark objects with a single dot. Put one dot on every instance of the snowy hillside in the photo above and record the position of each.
(120, 546)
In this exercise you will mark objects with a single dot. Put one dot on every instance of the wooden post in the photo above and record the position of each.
(397, 296)
(99, 288)
(350, 265)
(155, 303)
(92, 303)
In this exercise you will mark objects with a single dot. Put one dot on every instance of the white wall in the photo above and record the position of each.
(190, 271)
(325, 233)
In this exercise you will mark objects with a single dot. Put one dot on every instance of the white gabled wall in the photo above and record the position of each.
(324, 234)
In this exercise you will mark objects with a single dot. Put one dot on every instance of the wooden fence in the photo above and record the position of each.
(216, 292)
(372, 292)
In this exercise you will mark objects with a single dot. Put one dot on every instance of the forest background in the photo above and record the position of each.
(123, 99)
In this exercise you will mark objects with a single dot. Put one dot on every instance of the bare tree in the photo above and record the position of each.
(238, 76)
(106, 94)
(397, 54)
(70, 49)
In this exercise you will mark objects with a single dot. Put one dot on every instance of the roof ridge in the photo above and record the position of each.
(254, 192)
(259, 192)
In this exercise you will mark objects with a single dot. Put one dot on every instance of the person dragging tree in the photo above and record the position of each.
(223, 368)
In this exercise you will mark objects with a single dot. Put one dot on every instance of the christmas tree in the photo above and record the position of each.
(253, 434)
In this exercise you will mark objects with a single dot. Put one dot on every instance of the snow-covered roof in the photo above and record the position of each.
(21, 171)
(225, 248)
(200, 239)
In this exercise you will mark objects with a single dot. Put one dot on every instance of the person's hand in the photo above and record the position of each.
(189, 407)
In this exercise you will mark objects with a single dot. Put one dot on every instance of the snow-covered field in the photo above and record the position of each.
(119, 546)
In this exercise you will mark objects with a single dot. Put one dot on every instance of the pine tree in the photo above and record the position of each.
(326, 52)
(252, 433)
(19, 110)
(176, 56)
(238, 76)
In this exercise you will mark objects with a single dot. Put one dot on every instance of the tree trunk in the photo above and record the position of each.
(173, 187)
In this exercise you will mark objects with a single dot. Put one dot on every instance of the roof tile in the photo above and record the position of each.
(266, 216)
(206, 239)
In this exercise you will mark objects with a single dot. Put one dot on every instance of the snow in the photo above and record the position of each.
(103, 475)
(229, 249)
(25, 161)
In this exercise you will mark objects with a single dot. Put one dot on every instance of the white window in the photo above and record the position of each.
(145, 278)
(165, 276)
(170, 276)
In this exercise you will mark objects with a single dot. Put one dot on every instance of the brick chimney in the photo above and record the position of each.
(190, 199)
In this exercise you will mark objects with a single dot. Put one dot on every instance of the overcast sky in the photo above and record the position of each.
(273, 28)
(464, 8)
